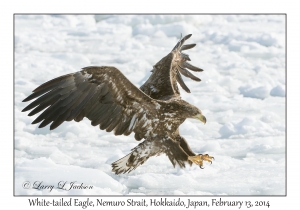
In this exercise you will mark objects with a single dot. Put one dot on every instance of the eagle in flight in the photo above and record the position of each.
(109, 100)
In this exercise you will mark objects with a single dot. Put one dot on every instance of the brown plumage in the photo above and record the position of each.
(109, 100)
(162, 84)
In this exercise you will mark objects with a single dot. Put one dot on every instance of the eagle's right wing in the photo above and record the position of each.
(162, 84)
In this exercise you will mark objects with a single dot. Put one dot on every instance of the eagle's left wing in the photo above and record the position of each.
(162, 84)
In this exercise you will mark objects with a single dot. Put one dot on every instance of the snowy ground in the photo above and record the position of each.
(242, 95)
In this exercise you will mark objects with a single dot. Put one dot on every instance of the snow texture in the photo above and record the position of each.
(242, 95)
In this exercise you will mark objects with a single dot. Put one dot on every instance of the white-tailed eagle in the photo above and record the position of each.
(109, 100)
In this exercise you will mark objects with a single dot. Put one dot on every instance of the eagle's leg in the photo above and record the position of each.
(137, 157)
(198, 159)
(184, 145)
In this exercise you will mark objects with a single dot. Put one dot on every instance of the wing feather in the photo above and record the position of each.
(123, 125)
(187, 47)
(44, 88)
(114, 123)
(188, 74)
(113, 114)
(181, 83)
(191, 67)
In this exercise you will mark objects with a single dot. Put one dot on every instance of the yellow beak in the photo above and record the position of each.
(200, 117)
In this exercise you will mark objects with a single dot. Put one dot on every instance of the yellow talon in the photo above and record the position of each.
(198, 159)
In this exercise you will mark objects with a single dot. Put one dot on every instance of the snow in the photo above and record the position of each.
(242, 95)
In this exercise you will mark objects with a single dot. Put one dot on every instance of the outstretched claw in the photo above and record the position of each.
(198, 159)
(212, 158)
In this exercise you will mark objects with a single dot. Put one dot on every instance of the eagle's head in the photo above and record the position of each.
(190, 111)
(197, 114)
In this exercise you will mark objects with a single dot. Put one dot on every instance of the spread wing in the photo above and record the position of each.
(102, 94)
(162, 84)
